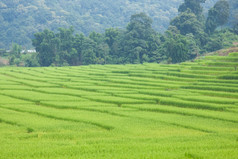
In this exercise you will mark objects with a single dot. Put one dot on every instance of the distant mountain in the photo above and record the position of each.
(20, 19)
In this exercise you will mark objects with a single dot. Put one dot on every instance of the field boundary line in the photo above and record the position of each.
(105, 127)
(29, 130)
(182, 113)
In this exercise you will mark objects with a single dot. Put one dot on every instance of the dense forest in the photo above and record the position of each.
(20, 19)
(190, 34)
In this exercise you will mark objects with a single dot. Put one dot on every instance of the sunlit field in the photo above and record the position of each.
(180, 111)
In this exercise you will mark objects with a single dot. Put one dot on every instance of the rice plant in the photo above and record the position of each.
(187, 110)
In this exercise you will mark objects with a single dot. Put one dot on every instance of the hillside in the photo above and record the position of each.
(184, 111)
(223, 52)
(20, 19)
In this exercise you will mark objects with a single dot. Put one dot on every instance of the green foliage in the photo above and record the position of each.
(16, 50)
(202, 36)
(138, 43)
(47, 44)
(222, 7)
(2, 52)
(233, 54)
(187, 22)
(177, 50)
(111, 36)
(193, 5)
(191, 21)
(140, 40)
(214, 43)
(193, 48)
(21, 19)
(236, 29)
(233, 13)
(220, 39)
(175, 46)
(217, 16)
(31, 60)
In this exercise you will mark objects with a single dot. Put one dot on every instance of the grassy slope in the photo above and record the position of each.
(114, 111)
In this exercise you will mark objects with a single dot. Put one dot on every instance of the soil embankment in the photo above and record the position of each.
(3, 61)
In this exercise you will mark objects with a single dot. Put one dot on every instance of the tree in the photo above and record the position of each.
(47, 45)
(222, 7)
(111, 36)
(191, 20)
(233, 18)
(16, 50)
(66, 53)
(214, 43)
(193, 48)
(26, 17)
(217, 16)
(66, 38)
(187, 22)
(88, 52)
(101, 48)
(114, 39)
(78, 45)
(235, 28)
(177, 50)
(138, 38)
(31, 61)
(176, 46)
(193, 5)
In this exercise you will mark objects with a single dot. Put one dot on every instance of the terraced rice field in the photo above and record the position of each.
(183, 111)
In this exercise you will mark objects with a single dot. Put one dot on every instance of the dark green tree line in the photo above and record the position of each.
(137, 44)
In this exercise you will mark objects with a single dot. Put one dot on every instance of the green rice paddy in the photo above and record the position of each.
(148, 111)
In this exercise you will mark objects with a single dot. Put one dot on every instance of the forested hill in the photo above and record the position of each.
(20, 19)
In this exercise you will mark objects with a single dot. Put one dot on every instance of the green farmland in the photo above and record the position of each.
(148, 111)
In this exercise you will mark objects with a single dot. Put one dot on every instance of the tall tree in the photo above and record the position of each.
(191, 20)
(16, 50)
(233, 18)
(66, 53)
(114, 39)
(193, 5)
(88, 52)
(187, 22)
(78, 45)
(47, 45)
(217, 16)
(111, 36)
(101, 48)
(235, 28)
(138, 36)
(176, 46)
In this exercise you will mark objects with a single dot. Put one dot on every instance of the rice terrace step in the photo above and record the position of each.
(187, 110)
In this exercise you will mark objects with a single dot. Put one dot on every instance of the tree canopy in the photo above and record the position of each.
(193, 5)
(217, 16)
